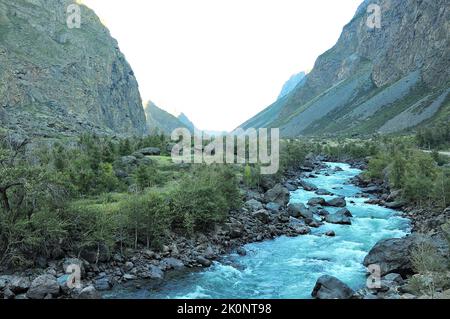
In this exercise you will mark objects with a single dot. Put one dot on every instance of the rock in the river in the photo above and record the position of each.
(316, 201)
(330, 233)
(307, 186)
(342, 217)
(392, 255)
(155, 272)
(253, 205)
(298, 210)
(102, 283)
(323, 192)
(241, 251)
(278, 194)
(89, 293)
(328, 287)
(337, 202)
(42, 286)
(203, 261)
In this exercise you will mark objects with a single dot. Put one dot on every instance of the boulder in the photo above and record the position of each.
(203, 261)
(316, 201)
(171, 263)
(262, 215)
(372, 190)
(278, 194)
(155, 272)
(307, 186)
(94, 254)
(323, 192)
(42, 286)
(253, 205)
(102, 283)
(290, 187)
(392, 255)
(337, 202)
(329, 287)
(89, 293)
(298, 210)
(150, 151)
(395, 205)
(330, 233)
(16, 284)
(241, 251)
(341, 217)
(273, 207)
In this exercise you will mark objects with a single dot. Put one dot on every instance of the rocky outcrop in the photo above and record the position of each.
(329, 287)
(43, 286)
(392, 255)
(383, 79)
(56, 80)
(291, 84)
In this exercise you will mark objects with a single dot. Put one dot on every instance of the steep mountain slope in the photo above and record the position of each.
(373, 80)
(291, 84)
(160, 121)
(58, 80)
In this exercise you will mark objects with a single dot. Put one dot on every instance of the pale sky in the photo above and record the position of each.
(221, 61)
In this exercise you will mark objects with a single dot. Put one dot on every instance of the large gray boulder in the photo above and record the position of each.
(392, 255)
(89, 293)
(278, 194)
(262, 215)
(337, 202)
(316, 201)
(329, 287)
(342, 217)
(307, 186)
(171, 263)
(43, 286)
(299, 210)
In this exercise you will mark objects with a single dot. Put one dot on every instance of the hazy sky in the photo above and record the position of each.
(221, 61)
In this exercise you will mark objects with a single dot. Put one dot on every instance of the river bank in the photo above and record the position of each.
(266, 215)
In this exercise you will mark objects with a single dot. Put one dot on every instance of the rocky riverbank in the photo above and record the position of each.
(265, 215)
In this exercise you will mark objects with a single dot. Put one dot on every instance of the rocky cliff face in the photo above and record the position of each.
(58, 80)
(373, 75)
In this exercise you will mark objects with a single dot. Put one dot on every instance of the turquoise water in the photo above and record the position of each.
(289, 267)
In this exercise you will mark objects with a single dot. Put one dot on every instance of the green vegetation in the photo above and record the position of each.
(84, 195)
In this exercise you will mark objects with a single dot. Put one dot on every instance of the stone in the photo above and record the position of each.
(329, 287)
(253, 205)
(337, 202)
(42, 286)
(241, 251)
(307, 186)
(316, 201)
(392, 255)
(323, 192)
(262, 215)
(155, 272)
(298, 210)
(102, 283)
(89, 293)
(203, 261)
(342, 217)
(330, 233)
(171, 263)
(273, 207)
(278, 194)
